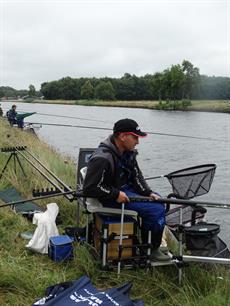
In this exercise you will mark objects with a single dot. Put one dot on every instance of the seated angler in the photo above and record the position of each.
(113, 175)
(12, 117)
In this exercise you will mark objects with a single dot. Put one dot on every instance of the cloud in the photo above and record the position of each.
(47, 40)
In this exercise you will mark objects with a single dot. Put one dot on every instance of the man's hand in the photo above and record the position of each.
(154, 196)
(122, 198)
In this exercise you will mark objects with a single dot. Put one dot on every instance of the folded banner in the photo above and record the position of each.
(82, 292)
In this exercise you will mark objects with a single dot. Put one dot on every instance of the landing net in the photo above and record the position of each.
(192, 182)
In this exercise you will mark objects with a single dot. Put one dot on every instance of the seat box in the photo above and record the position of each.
(107, 227)
(60, 248)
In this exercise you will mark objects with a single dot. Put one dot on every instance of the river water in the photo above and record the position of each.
(158, 154)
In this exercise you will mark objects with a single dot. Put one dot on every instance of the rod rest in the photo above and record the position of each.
(13, 149)
(196, 210)
(47, 191)
(44, 191)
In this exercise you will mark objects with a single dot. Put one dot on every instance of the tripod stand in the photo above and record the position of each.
(14, 157)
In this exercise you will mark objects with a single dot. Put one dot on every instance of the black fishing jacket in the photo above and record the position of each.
(108, 171)
(11, 114)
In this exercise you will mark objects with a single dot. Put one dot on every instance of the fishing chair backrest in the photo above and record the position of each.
(83, 159)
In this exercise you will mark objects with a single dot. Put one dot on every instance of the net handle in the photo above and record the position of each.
(212, 167)
(154, 177)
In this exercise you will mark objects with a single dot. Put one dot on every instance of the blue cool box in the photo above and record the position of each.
(60, 248)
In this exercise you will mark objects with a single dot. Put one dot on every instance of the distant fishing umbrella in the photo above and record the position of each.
(70, 117)
(24, 115)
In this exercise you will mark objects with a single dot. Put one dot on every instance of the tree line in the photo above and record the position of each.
(175, 83)
(178, 82)
(10, 92)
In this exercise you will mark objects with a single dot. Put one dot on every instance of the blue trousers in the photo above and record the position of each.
(152, 214)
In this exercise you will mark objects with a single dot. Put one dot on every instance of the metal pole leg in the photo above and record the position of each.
(3, 170)
(149, 248)
(104, 248)
(19, 162)
(78, 214)
(121, 238)
(180, 244)
(87, 228)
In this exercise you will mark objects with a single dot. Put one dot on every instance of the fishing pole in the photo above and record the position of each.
(64, 116)
(109, 129)
(102, 128)
(80, 194)
(181, 202)
(39, 198)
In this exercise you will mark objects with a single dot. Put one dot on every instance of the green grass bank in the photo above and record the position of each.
(221, 106)
(24, 275)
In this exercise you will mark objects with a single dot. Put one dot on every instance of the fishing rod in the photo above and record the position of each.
(181, 202)
(80, 194)
(58, 194)
(109, 129)
(63, 116)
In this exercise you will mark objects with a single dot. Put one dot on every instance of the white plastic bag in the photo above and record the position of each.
(46, 228)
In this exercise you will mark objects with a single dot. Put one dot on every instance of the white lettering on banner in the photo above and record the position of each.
(91, 299)
(114, 302)
(78, 298)
(87, 291)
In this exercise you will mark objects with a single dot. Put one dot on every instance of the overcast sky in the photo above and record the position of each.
(46, 40)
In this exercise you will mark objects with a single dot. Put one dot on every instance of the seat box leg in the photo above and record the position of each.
(104, 247)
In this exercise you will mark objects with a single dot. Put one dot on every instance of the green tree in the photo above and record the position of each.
(1, 93)
(157, 86)
(51, 90)
(104, 91)
(68, 88)
(192, 78)
(87, 90)
(8, 91)
(32, 91)
(174, 82)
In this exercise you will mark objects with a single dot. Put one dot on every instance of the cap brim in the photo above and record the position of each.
(139, 134)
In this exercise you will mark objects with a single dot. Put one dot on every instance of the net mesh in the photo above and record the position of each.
(192, 182)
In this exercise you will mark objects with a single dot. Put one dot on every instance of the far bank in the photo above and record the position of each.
(221, 106)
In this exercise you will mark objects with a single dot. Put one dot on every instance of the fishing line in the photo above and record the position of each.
(109, 129)
(63, 116)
